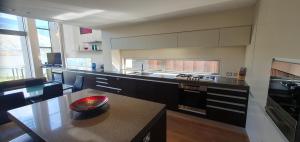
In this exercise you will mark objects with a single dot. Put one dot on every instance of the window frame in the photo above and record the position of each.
(28, 71)
(38, 28)
(47, 29)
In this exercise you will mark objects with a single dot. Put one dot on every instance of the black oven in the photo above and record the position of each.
(193, 99)
(283, 102)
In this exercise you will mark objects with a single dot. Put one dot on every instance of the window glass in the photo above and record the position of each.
(79, 63)
(11, 22)
(43, 56)
(42, 24)
(11, 57)
(44, 38)
(174, 66)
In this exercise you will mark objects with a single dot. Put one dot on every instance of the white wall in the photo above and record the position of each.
(277, 35)
(72, 41)
(236, 17)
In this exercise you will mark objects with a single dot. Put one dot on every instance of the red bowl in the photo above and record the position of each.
(88, 103)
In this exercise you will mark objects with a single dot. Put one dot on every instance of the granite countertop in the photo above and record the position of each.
(219, 81)
(52, 120)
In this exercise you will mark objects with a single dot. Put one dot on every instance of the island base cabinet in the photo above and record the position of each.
(155, 131)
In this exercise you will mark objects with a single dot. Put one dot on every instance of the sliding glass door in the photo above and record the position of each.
(14, 57)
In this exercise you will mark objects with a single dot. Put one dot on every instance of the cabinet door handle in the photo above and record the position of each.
(226, 109)
(191, 91)
(225, 102)
(101, 82)
(100, 78)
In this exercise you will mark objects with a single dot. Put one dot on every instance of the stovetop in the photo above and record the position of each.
(195, 77)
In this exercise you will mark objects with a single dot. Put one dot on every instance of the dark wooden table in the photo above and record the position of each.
(123, 119)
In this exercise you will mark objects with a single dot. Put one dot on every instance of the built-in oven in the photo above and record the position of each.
(193, 99)
(283, 102)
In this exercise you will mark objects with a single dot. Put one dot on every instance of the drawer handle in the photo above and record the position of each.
(113, 88)
(228, 89)
(226, 109)
(227, 96)
(100, 78)
(229, 103)
(191, 91)
(101, 82)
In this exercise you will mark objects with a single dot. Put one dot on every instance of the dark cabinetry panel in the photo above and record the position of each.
(128, 87)
(165, 93)
(227, 105)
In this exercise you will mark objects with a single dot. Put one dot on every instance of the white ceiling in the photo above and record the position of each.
(104, 13)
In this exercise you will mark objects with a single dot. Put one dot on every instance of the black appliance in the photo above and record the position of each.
(283, 102)
(54, 58)
(193, 94)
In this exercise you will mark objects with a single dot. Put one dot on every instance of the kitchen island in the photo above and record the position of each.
(124, 119)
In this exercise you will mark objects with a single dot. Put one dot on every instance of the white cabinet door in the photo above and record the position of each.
(235, 36)
(145, 42)
(198, 39)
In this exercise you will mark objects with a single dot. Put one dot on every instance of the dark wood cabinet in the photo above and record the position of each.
(227, 105)
(128, 87)
(165, 93)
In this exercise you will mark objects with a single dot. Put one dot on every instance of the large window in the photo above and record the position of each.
(43, 32)
(44, 39)
(13, 50)
(172, 66)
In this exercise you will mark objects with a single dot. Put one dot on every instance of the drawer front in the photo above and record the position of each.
(222, 97)
(226, 115)
(108, 89)
(107, 81)
(227, 105)
(229, 92)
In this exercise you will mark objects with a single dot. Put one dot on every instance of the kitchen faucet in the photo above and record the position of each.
(142, 68)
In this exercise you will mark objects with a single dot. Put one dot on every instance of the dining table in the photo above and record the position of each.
(35, 91)
(122, 119)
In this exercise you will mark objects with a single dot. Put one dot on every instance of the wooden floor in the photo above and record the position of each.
(187, 128)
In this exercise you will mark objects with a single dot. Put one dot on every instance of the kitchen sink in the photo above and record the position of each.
(140, 73)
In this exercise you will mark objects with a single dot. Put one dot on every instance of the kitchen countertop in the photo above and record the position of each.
(218, 82)
(52, 120)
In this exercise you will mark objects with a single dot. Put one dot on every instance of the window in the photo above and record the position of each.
(44, 39)
(13, 50)
(43, 32)
(11, 22)
(79, 63)
(173, 66)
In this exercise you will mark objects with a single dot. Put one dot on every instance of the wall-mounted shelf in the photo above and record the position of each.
(92, 46)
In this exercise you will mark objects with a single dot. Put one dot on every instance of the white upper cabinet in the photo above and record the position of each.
(235, 36)
(145, 42)
(198, 39)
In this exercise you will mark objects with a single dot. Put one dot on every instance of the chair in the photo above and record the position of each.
(9, 130)
(78, 85)
(52, 91)
(35, 82)
(8, 102)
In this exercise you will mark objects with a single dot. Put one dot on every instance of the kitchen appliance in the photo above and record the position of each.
(283, 102)
(192, 97)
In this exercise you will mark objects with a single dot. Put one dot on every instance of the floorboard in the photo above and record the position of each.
(187, 128)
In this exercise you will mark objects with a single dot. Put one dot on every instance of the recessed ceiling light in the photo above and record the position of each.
(73, 15)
